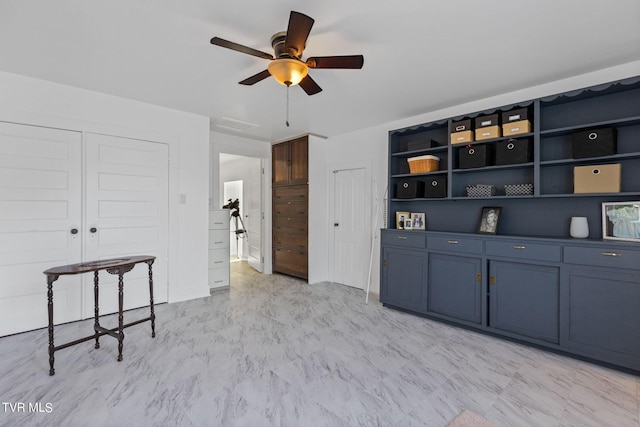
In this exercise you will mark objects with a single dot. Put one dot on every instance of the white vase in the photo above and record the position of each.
(579, 227)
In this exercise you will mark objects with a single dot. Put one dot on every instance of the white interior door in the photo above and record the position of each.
(126, 198)
(253, 216)
(40, 204)
(351, 219)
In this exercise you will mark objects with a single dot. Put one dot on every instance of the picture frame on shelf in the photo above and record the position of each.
(489, 219)
(419, 220)
(408, 224)
(401, 217)
(621, 221)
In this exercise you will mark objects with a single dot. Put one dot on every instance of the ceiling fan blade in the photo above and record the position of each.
(348, 61)
(297, 33)
(240, 48)
(255, 78)
(309, 85)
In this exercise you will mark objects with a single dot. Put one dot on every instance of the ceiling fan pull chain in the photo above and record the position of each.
(287, 121)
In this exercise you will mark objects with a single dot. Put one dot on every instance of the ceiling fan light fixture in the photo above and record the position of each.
(288, 71)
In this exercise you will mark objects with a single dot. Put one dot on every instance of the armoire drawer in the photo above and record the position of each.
(291, 194)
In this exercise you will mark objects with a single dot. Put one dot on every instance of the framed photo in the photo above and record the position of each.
(621, 221)
(408, 224)
(401, 217)
(489, 220)
(419, 220)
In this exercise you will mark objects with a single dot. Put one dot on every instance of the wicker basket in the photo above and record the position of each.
(423, 164)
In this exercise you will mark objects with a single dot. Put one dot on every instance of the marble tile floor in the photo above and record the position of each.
(274, 351)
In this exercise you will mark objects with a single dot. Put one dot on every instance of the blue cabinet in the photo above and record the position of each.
(524, 299)
(404, 278)
(454, 286)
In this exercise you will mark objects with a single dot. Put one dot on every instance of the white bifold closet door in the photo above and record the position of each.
(55, 186)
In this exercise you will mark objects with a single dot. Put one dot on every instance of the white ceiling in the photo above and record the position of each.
(420, 55)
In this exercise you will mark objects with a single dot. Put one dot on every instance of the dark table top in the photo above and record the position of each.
(85, 267)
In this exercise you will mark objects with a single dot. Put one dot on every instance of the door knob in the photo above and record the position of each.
(74, 231)
(93, 229)
(335, 224)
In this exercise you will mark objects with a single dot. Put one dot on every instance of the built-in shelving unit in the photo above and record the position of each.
(554, 119)
(531, 282)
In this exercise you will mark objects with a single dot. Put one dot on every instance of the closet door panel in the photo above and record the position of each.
(126, 199)
(40, 206)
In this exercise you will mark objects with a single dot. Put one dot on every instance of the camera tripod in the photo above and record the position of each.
(234, 218)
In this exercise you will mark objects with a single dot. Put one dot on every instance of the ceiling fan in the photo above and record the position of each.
(287, 66)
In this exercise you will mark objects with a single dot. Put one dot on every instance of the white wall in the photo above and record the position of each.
(371, 144)
(39, 102)
(318, 249)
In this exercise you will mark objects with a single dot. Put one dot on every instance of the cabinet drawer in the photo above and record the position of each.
(290, 194)
(524, 250)
(407, 240)
(218, 257)
(218, 239)
(218, 277)
(470, 246)
(219, 219)
(602, 257)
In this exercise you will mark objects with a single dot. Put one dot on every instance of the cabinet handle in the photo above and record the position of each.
(402, 237)
(492, 280)
(453, 242)
(611, 254)
(519, 247)
(218, 262)
(218, 243)
(478, 277)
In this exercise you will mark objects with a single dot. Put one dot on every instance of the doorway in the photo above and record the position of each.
(242, 178)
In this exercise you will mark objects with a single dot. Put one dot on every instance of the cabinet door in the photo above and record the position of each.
(299, 161)
(523, 299)
(454, 286)
(601, 314)
(404, 279)
(280, 164)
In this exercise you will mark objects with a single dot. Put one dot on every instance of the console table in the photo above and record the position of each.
(118, 266)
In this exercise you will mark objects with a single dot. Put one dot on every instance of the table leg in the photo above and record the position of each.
(120, 316)
(153, 315)
(96, 314)
(50, 280)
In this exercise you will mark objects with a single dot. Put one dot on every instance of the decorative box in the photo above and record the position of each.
(512, 151)
(488, 120)
(421, 145)
(518, 190)
(423, 164)
(597, 178)
(436, 187)
(481, 190)
(594, 143)
(515, 115)
(462, 137)
(516, 128)
(488, 132)
(461, 125)
(409, 189)
(475, 156)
